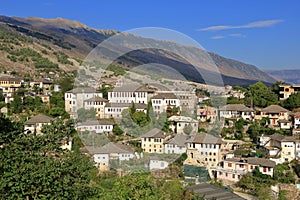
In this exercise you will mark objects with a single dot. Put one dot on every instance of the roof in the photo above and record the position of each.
(165, 96)
(151, 87)
(213, 192)
(178, 140)
(274, 109)
(154, 133)
(238, 107)
(283, 121)
(204, 138)
(254, 161)
(40, 118)
(110, 148)
(97, 122)
(9, 78)
(96, 99)
(297, 115)
(182, 119)
(127, 105)
(82, 90)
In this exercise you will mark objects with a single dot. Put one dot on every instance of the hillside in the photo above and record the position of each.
(287, 75)
(32, 45)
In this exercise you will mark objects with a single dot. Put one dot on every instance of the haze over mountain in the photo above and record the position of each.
(59, 38)
(287, 75)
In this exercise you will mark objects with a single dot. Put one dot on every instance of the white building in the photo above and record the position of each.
(162, 101)
(176, 145)
(103, 156)
(297, 121)
(114, 110)
(97, 126)
(127, 94)
(178, 123)
(236, 111)
(35, 124)
(98, 104)
(74, 99)
(156, 164)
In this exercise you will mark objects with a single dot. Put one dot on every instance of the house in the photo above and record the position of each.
(176, 145)
(281, 148)
(162, 101)
(114, 110)
(153, 141)
(297, 120)
(128, 94)
(110, 155)
(285, 90)
(97, 103)
(203, 150)
(177, 123)
(187, 100)
(74, 99)
(98, 126)
(157, 164)
(284, 124)
(236, 111)
(8, 86)
(35, 124)
(233, 169)
(275, 113)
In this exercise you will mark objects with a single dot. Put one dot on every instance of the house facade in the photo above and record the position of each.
(35, 124)
(275, 113)
(162, 101)
(97, 126)
(153, 141)
(236, 111)
(178, 123)
(97, 103)
(176, 145)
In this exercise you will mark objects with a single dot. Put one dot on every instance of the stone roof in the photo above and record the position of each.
(254, 161)
(154, 133)
(236, 107)
(204, 138)
(283, 121)
(127, 105)
(97, 122)
(9, 78)
(110, 148)
(181, 119)
(274, 109)
(82, 90)
(40, 118)
(165, 96)
(151, 87)
(96, 99)
(178, 140)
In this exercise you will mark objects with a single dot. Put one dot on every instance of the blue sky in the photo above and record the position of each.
(260, 32)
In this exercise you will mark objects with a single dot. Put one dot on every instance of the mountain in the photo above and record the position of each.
(30, 45)
(287, 75)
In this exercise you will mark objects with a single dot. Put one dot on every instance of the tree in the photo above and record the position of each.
(140, 118)
(16, 104)
(292, 102)
(35, 167)
(117, 130)
(188, 129)
(84, 114)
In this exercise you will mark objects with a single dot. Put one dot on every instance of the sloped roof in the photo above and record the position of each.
(254, 161)
(97, 122)
(110, 148)
(9, 78)
(165, 96)
(178, 140)
(82, 90)
(96, 99)
(204, 138)
(237, 107)
(154, 133)
(274, 109)
(181, 119)
(40, 118)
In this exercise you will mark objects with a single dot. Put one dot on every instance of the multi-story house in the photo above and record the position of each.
(74, 99)
(97, 103)
(177, 123)
(35, 124)
(204, 150)
(297, 120)
(114, 110)
(128, 95)
(285, 91)
(9, 86)
(176, 145)
(153, 141)
(236, 111)
(105, 155)
(187, 99)
(233, 169)
(275, 113)
(97, 126)
(162, 101)
(281, 148)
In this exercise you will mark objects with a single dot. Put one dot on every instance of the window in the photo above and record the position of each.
(233, 175)
(265, 169)
(229, 164)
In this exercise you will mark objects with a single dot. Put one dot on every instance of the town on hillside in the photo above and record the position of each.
(251, 138)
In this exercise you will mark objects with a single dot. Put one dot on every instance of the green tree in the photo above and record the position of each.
(84, 114)
(117, 130)
(292, 102)
(16, 104)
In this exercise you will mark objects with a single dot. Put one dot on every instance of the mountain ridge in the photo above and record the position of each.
(76, 40)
